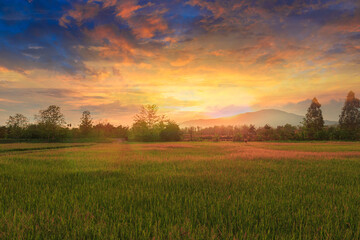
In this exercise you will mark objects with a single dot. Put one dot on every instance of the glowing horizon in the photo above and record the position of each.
(193, 58)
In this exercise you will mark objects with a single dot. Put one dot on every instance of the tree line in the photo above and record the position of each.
(50, 125)
(149, 126)
(312, 127)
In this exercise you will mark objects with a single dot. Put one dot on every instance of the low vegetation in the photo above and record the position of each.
(182, 190)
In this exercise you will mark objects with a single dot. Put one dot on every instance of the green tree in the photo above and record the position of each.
(149, 126)
(252, 133)
(3, 132)
(238, 137)
(349, 120)
(148, 115)
(313, 122)
(266, 133)
(86, 124)
(191, 131)
(286, 132)
(141, 132)
(16, 125)
(51, 122)
(18, 120)
(171, 132)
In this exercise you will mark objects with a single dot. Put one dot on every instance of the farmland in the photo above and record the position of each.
(184, 190)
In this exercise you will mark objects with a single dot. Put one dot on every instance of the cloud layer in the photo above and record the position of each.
(192, 58)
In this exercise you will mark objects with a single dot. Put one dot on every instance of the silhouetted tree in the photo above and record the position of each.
(350, 116)
(86, 124)
(313, 122)
(3, 132)
(52, 116)
(51, 122)
(16, 125)
(18, 120)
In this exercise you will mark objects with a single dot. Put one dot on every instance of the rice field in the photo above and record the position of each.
(198, 190)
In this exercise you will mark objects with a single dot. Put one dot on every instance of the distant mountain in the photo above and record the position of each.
(272, 117)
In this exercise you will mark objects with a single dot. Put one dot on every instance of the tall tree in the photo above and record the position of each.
(17, 121)
(51, 121)
(252, 133)
(350, 115)
(16, 125)
(51, 116)
(314, 121)
(147, 124)
(148, 115)
(86, 123)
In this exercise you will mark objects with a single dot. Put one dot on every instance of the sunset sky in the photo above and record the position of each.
(193, 58)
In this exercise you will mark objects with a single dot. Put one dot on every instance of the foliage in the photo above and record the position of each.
(3, 132)
(238, 137)
(51, 116)
(17, 121)
(50, 126)
(16, 125)
(107, 130)
(313, 122)
(148, 115)
(85, 124)
(171, 132)
(350, 117)
(51, 123)
(148, 126)
(265, 134)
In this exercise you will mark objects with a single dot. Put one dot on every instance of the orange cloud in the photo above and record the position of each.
(117, 44)
(215, 7)
(4, 70)
(80, 13)
(346, 25)
(126, 9)
(218, 53)
(143, 25)
(182, 61)
(9, 100)
(234, 52)
(146, 26)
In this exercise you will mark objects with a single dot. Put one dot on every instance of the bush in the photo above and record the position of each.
(171, 132)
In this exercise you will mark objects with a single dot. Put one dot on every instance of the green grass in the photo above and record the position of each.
(21, 147)
(312, 146)
(181, 191)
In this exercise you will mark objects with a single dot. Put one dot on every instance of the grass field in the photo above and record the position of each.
(180, 191)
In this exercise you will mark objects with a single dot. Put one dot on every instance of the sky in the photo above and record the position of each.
(193, 58)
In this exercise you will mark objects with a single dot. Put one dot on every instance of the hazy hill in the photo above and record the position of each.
(272, 117)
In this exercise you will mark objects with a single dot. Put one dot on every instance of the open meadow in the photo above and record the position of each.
(185, 190)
